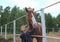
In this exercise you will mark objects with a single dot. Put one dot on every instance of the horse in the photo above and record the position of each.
(32, 21)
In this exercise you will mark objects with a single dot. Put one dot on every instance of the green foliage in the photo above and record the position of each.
(58, 20)
(38, 18)
(8, 15)
(48, 19)
(1, 9)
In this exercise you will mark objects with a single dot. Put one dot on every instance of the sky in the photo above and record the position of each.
(36, 4)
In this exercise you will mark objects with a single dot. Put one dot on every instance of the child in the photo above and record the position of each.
(26, 35)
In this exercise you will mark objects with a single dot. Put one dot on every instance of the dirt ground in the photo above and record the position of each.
(48, 40)
(53, 34)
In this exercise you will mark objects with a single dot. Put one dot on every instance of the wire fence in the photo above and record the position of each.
(50, 33)
(11, 29)
(7, 32)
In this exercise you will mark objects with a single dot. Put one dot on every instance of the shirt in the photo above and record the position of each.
(26, 37)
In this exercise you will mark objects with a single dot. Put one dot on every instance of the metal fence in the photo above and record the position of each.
(53, 30)
(14, 29)
(10, 30)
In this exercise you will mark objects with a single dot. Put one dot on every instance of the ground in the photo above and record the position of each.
(53, 34)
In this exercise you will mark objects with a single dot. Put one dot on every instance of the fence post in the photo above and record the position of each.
(5, 30)
(14, 30)
(52, 29)
(1, 30)
(59, 29)
(43, 25)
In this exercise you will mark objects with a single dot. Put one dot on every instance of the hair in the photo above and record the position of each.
(22, 25)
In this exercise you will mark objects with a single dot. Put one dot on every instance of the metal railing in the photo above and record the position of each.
(42, 20)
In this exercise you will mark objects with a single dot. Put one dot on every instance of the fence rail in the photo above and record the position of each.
(10, 30)
(46, 37)
(43, 25)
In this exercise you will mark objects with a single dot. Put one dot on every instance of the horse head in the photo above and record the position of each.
(30, 14)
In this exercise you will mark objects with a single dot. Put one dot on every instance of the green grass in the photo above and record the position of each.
(8, 35)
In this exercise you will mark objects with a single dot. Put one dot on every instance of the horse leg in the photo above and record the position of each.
(32, 39)
(39, 39)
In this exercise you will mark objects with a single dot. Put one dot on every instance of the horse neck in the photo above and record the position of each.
(31, 21)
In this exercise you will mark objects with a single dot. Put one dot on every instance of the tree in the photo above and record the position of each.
(6, 15)
(13, 13)
(49, 22)
(38, 18)
(1, 10)
(58, 20)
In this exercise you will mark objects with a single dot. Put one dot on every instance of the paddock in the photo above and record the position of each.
(14, 36)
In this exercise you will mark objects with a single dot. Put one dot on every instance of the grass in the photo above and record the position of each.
(55, 34)
(8, 35)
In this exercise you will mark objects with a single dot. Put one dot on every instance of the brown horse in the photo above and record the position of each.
(31, 21)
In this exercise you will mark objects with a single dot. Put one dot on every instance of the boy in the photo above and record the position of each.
(26, 35)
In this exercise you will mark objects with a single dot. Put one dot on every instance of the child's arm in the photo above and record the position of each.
(32, 31)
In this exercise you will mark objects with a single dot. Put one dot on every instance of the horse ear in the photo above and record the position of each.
(26, 9)
(33, 10)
